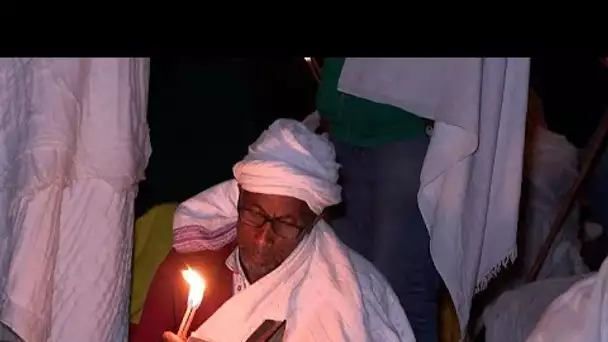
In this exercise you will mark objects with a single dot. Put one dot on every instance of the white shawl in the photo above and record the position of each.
(324, 290)
(471, 178)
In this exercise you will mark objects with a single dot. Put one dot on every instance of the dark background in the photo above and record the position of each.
(204, 112)
(574, 90)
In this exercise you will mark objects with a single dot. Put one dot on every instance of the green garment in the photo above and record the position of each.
(153, 241)
(361, 122)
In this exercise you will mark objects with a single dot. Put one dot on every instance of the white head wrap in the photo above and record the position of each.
(289, 159)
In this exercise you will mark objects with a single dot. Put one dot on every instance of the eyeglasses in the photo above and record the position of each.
(257, 219)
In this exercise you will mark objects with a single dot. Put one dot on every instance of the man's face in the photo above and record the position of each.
(269, 228)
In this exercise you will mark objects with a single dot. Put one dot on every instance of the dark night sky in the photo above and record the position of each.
(203, 113)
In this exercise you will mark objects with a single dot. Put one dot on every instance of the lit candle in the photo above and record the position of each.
(195, 297)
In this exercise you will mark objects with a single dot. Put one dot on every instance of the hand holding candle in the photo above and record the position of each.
(195, 297)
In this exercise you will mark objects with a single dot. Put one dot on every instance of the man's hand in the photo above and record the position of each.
(171, 337)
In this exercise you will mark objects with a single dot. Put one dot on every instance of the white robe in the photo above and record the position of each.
(471, 177)
(73, 145)
(324, 290)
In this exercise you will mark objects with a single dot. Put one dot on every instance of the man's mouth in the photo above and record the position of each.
(255, 258)
(258, 259)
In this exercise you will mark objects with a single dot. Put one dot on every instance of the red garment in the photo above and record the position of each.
(167, 296)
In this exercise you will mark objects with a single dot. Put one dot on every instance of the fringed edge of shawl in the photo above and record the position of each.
(494, 271)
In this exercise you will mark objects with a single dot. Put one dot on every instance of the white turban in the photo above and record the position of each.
(291, 160)
(288, 159)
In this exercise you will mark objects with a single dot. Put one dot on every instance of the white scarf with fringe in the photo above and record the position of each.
(471, 177)
(325, 292)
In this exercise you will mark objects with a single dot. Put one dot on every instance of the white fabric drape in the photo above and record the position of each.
(578, 315)
(73, 145)
(326, 291)
(471, 178)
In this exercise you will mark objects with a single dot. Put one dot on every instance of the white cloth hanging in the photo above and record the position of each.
(73, 145)
(471, 178)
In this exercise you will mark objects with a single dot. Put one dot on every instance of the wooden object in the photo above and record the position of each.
(449, 327)
(268, 331)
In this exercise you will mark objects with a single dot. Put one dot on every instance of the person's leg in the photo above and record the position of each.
(401, 239)
(353, 226)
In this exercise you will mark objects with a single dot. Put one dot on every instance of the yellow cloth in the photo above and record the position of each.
(153, 240)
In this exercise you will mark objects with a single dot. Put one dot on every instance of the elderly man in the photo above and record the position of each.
(264, 251)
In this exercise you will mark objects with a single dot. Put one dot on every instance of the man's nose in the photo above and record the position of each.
(264, 235)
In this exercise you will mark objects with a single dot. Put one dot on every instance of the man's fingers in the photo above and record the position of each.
(171, 337)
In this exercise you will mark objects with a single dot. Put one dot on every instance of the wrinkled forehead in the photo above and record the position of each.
(274, 204)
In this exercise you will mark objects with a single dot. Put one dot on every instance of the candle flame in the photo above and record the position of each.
(197, 287)
(307, 59)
